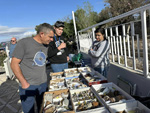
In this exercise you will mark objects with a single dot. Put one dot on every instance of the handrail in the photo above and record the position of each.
(125, 40)
(145, 7)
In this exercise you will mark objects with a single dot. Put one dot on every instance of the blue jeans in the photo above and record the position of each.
(59, 67)
(102, 71)
(30, 95)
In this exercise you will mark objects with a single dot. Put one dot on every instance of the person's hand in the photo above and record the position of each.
(68, 58)
(62, 45)
(25, 85)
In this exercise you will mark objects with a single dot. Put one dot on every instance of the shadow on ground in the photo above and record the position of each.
(2, 72)
(9, 97)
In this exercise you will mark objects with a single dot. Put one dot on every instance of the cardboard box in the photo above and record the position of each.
(130, 106)
(57, 92)
(112, 86)
(57, 75)
(99, 109)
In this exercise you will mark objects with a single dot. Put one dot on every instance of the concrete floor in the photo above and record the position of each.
(9, 93)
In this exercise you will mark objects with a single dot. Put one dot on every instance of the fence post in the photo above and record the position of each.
(138, 46)
(145, 50)
(133, 48)
(112, 48)
(124, 42)
(93, 34)
(75, 29)
(118, 52)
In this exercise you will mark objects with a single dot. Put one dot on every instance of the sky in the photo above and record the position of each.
(18, 18)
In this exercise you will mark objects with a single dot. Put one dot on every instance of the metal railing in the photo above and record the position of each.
(125, 47)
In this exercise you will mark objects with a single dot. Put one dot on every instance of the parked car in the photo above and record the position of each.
(2, 48)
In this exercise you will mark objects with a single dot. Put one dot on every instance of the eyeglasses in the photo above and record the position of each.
(13, 40)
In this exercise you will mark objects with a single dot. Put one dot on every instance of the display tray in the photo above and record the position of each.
(85, 101)
(109, 94)
(84, 69)
(71, 72)
(94, 77)
(129, 107)
(57, 84)
(56, 75)
(75, 82)
(57, 100)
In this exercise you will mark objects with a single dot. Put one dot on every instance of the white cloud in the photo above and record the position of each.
(18, 32)
(4, 30)
(27, 34)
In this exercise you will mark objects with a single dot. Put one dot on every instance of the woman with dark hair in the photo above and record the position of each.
(99, 52)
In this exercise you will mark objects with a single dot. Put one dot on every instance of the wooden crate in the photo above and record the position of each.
(56, 92)
(57, 75)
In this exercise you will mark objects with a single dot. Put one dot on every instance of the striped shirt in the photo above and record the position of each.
(100, 54)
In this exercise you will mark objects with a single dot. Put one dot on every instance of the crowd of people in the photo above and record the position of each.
(30, 55)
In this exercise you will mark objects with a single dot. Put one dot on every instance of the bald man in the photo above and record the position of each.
(9, 50)
(12, 46)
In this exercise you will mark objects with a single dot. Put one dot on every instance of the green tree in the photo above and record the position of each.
(85, 16)
(104, 14)
(2, 58)
(36, 27)
(68, 29)
(117, 7)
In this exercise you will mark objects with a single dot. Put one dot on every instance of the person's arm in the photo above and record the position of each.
(68, 58)
(62, 45)
(67, 53)
(53, 50)
(18, 73)
(104, 47)
(90, 49)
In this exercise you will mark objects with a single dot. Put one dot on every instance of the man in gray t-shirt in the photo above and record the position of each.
(28, 65)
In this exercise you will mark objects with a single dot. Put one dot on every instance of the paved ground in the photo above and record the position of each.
(9, 95)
